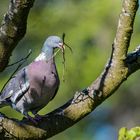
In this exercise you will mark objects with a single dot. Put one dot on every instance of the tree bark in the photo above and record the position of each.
(118, 68)
(13, 28)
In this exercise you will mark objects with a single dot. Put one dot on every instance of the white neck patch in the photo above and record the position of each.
(41, 56)
(45, 56)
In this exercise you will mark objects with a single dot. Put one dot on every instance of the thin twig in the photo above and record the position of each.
(23, 59)
(12, 76)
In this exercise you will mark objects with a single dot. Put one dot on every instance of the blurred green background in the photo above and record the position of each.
(90, 27)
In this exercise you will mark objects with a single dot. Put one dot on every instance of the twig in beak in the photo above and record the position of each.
(63, 52)
(63, 38)
(68, 47)
(63, 62)
(62, 48)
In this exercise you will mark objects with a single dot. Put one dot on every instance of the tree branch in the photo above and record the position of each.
(119, 67)
(13, 28)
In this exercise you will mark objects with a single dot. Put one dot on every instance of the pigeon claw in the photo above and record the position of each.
(35, 120)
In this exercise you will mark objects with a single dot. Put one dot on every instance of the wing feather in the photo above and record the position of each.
(16, 87)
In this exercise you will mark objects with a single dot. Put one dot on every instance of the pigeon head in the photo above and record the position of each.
(52, 42)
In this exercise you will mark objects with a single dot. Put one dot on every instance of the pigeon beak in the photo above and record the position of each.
(61, 46)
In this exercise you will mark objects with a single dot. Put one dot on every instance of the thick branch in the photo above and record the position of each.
(117, 70)
(125, 29)
(13, 28)
(65, 116)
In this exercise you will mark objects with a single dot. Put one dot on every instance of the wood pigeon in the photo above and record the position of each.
(36, 84)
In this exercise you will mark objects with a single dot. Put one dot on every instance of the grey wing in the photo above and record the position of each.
(16, 87)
